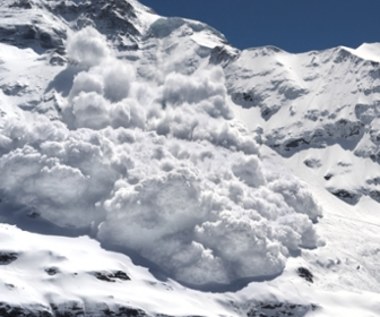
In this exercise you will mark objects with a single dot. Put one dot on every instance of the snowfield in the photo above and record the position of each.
(226, 183)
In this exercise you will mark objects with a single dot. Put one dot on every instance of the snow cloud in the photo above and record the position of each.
(87, 47)
(160, 168)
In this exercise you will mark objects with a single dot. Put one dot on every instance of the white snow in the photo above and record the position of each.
(369, 51)
(186, 177)
(86, 47)
(58, 269)
(146, 152)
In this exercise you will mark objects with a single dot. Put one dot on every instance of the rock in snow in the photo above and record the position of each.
(211, 167)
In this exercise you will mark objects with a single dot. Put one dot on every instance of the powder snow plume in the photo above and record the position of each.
(156, 165)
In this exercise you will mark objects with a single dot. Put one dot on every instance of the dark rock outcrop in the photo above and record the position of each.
(7, 257)
(278, 309)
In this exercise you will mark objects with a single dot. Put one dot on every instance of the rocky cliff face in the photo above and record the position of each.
(45, 24)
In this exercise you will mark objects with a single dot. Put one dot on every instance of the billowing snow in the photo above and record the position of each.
(132, 136)
(158, 168)
(87, 47)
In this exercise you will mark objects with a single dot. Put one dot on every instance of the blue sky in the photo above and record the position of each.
(293, 25)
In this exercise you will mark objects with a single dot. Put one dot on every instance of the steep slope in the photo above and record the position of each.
(121, 125)
(45, 24)
(330, 98)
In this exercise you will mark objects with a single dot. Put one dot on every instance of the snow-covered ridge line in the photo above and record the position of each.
(329, 98)
(366, 51)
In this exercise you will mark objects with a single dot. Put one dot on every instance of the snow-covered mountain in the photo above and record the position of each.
(330, 98)
(148, 168)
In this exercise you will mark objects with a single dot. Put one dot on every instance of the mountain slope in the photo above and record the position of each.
(330, 98)
(209, 166)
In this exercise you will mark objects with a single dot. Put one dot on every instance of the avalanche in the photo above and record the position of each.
(239, 179)
(161, 169)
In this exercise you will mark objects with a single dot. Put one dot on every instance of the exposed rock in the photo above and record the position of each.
(116, 19)
(112, 276)
(312, 163)
(277, 309)
(52, 271)
(374, 181)
(221, 56)
(7, 310)
(345, 195)
(247, 99)
(375, 195)
(124, 311)
(71, 309)
(22, 4)
(7, 257)
(305, 274)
